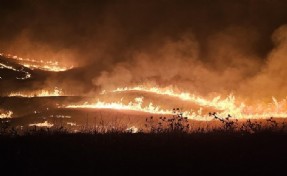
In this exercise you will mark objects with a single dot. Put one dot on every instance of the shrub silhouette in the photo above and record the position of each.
(4, 126)
(249, 126)
(229, 125)
(175, 124)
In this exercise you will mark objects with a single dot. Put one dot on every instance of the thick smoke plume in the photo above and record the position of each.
(201, 46)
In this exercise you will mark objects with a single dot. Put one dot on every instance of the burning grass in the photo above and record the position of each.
(42, 93)
(195, 106)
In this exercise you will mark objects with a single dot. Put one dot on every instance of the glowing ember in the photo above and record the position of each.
(4, 115)
(71, 124)
(27, 74)
(61, 116)
(44, 124)
(132, 129)
(42, 93)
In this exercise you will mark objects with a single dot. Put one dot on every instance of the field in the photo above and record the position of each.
(144, 154)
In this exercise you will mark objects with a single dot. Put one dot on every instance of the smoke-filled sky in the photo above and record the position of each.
(202, 46)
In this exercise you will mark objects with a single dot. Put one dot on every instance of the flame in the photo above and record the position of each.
(133, 106)
(44, 124)
(42, 93)
(137, 105)
(227, 106)
(4, 115)
(53, 66)
(45, 93)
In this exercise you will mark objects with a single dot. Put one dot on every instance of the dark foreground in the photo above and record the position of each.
(144, 154)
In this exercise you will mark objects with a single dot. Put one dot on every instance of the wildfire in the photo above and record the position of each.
(42, 93)
(53, 66)
(4, 115)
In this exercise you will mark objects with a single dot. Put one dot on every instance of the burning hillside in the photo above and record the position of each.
(140, 99)
(226, 106)
(20, 72)
(228, 65)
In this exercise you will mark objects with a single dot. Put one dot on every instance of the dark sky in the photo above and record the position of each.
(81, 24)
(178, 42)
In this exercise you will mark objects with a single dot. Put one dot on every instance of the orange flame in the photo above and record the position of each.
(42, 93)
(137, 105)
(4, 115)
(218, 103)
(228, 105)
(44, 124)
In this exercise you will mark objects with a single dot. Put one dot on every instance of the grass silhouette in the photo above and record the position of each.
(167, 146)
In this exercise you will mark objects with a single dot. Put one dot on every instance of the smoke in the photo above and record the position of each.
(24, 46)
(271, 80)
(199, 46)
(179, 61)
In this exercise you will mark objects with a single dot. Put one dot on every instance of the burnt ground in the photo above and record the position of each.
(145, 154)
